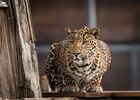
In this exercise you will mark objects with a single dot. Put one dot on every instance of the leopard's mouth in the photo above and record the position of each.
(83, 65)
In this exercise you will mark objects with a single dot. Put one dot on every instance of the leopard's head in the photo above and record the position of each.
(81, 45)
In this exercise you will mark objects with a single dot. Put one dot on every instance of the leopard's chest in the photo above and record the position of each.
(78, 73)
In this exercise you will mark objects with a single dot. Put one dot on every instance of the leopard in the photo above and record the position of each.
(78, 63)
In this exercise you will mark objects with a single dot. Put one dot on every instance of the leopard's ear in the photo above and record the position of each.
(95, 32)
(68, 30)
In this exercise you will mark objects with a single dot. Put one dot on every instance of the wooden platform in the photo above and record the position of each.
(106, 95)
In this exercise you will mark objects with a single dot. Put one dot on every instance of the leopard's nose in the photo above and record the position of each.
(76, 54)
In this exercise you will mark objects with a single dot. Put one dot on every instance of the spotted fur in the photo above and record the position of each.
(78, 63)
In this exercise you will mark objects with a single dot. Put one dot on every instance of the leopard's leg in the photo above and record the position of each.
(95, 85)
(96, 88)
(68, 84)
(70, 88)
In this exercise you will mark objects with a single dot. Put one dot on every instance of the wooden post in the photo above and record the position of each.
(19, 76)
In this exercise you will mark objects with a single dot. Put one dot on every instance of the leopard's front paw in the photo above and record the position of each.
(70, 89)
(97, 89)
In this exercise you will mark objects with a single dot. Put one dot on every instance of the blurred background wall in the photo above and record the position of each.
(119, 21)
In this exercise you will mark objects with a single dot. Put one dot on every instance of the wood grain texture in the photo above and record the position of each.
(106, 95)
(77, 94)
(7, 53)
(59, 98)
(19, 76)
(27, 40)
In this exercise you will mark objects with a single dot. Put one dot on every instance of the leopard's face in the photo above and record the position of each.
(78, 54)
(81, 45)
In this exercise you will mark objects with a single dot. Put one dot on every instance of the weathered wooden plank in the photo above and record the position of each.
(77, 94)
(12, 99)
(19, 76)
(105, 94)
(8, 62)
(26, 37)
(58, 98)
(125, 93)
(37, 98)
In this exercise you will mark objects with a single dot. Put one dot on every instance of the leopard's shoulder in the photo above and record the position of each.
(103, 54)
(56, 48)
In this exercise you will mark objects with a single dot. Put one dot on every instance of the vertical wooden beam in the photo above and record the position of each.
(19, 76)
(27, 40)
(8, 62)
